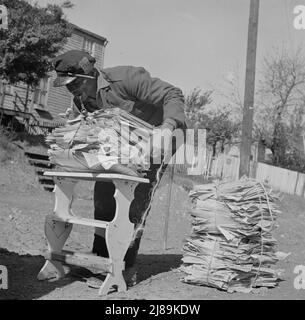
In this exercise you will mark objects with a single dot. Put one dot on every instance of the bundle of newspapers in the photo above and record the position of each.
(105, 140)
(231, 246)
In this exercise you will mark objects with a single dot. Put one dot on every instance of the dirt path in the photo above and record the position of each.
(24, 207)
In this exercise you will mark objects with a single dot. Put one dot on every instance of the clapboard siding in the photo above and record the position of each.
(17, 99)
(59, 99)
(74, 42)
(8, 101)
(99, 55)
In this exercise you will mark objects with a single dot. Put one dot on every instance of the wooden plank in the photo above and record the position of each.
(42, 162)
(81, 260)
(303, 189)
(291, 181)
(296, 183)
(274, 177)
(42, 178)
(279, 177)
(94, 176)
(36, 155)
(226, 166)
(259, 171)
(300, 187)
(231, 167)
(48, 188)
(263, 173)
(235, 168)
(22, 114)
(219, 165)
(82, 221)
(47, 185)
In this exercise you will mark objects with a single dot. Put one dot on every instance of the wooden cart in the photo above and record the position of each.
(118, 232)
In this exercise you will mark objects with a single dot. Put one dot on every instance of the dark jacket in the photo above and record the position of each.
(134, 90)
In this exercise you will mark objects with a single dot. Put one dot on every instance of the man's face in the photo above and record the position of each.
(79, 86)
(85, 89)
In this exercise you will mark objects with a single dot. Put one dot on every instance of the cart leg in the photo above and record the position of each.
(57, 232)
(64, 196)
(115, 279)
(119, 235)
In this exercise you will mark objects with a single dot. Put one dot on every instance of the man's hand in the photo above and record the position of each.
(161, 139)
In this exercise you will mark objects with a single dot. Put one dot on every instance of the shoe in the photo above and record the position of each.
(131, 276)
(94, 282)
(80, 272)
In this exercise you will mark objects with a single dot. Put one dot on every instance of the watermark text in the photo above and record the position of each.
(3, 278)
(3, 17)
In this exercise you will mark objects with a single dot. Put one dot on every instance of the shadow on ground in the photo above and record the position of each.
(149, 265)
(23, 270)
(22, 277)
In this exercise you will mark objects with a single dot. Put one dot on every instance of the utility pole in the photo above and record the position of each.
(247, 124)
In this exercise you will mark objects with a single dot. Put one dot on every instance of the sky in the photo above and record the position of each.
(194, 43)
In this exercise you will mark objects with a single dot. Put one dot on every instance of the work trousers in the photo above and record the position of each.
(105, 206)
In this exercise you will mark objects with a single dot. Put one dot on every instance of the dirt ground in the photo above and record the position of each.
(24, 205)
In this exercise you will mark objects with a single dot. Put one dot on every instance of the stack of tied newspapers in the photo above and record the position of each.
(231, 246)
(103, 141)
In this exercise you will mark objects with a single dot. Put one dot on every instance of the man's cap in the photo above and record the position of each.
(72, 64)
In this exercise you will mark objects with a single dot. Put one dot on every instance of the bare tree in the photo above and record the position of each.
(281, 93)
(229, 91)
(217, 122)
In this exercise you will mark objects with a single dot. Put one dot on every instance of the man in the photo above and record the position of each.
(134, 90)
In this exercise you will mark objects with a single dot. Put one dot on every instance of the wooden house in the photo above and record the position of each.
(36, 110)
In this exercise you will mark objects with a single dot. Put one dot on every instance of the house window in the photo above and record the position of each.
(7, 88)
(39, 97)
(89, 46)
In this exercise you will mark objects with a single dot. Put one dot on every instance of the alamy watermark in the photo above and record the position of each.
(299, 280)
(139, 146)
(3, 278)
(299, 19)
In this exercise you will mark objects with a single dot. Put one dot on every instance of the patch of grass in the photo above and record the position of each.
(7, 148)
(15, 170)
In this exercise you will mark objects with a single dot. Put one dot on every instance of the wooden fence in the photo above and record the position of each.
(225, 166)
(284, 180)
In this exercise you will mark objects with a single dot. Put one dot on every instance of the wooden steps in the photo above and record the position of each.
(40, 170)
(45, 179)
(41, 163)
(33, 155)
